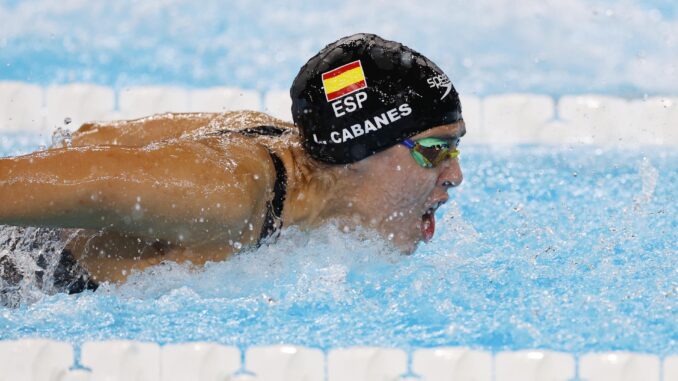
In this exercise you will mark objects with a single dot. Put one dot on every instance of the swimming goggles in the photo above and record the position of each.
(430, 152)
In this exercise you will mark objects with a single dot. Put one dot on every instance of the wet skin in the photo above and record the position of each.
(392, 192)
(163, 188)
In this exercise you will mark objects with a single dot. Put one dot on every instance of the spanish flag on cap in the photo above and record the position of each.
(344, 80)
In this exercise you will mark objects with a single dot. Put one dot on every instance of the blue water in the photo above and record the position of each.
(570, 249)
(627, 48)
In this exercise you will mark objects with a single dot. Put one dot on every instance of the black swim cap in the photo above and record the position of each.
(362, 94)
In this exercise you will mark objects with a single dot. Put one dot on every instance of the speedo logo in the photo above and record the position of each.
(440, 81)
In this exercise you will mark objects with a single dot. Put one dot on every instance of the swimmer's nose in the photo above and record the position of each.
(451, 175)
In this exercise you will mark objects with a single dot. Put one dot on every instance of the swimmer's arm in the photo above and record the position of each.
(185, 192)
(139, 132)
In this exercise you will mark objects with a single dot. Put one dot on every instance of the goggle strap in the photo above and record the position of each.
(409, 143)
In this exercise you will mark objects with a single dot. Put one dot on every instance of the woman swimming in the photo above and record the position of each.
(373, 144)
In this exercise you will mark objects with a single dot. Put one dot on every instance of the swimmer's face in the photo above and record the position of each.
(399, 197)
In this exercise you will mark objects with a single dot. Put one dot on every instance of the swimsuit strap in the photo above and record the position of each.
(273, 220)
(274, 208)
(264, 130)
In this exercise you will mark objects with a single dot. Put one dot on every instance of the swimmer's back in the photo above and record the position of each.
(144, 131)
(246, 138)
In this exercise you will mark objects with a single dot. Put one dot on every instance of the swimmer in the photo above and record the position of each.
(373, 144)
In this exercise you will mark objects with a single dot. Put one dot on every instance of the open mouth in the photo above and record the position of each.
(428, 225)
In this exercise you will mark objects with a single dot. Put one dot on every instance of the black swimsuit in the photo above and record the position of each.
(40, 246)
(274, 208)
(273, 221)
(71, 277)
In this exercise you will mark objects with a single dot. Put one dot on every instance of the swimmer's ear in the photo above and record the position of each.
(375, 162)
(362, 166)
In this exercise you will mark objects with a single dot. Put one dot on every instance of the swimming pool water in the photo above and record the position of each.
(569, 248)
(485, 46)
